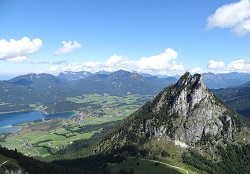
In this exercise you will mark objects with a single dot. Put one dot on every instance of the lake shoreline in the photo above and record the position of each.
(12, 122)
(16, 111)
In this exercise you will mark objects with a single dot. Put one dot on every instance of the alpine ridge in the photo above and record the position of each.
(186, 113)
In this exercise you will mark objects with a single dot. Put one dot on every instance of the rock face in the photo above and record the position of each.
(187, 112)
(200, 113)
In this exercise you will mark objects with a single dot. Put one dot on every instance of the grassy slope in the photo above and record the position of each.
(140, 166)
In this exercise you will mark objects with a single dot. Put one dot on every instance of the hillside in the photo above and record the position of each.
(238, 98)
(185, 118)
(14, 162)
(31, 88)
(247, 84)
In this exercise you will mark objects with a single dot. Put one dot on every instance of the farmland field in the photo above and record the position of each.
(44, 138)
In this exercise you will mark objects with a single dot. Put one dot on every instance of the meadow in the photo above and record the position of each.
(140, 166)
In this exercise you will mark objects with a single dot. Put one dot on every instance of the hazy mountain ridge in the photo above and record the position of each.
(220, 80)
(121, 83)
(46, 89)
(245, 84)
(225, 80)
(69, 75)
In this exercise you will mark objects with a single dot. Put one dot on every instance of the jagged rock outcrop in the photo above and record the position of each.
(187, 112)
(200, 113)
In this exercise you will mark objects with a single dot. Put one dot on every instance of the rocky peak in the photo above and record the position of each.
(184, 79)
(190, 81)
(198, 111)
(184, 95)
(190, 91)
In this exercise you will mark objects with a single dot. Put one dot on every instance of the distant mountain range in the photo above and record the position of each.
(213, 81)
(45, 89)
(69, 75)
(31, 88)
(20, 92)
(225, 80)
(122, 83)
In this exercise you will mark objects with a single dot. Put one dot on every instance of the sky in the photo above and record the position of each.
(163, 37)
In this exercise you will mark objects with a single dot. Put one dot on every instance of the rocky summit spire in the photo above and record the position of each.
(200, 112)
(187, 112)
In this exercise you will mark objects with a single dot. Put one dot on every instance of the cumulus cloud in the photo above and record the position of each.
(17, 59)
(67, 47)
(53, 68)
(197, 70)
(15, 50)
(235, 16)
(159, 64)
(238, 66)
(213, 65)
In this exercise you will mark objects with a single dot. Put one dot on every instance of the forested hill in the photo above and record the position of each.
(238, 98)
(15, 162)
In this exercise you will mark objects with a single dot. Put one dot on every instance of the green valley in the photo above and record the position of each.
(97, 114)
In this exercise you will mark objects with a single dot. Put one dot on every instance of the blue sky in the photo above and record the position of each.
(157, 37)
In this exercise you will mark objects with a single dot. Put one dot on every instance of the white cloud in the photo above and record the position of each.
(47, 62)
(235, 16)
(197, 70)
(114, 60)
(243, 28)
(17, 59)
(238, 66)
(75, 67)
(68, 47)
(53, 68)
(213, 65)
(18, 48)
(159, 64)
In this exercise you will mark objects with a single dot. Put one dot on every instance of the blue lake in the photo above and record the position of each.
(8, 120)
